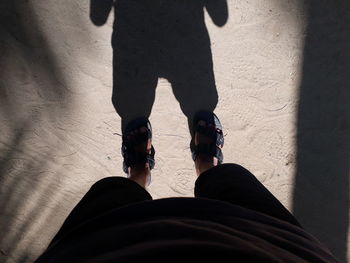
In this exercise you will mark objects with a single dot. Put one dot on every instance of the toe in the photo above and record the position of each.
(202, 123)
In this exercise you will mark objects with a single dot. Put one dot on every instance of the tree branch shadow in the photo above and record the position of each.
(32, 92)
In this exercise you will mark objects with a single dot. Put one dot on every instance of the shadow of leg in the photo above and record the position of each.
(192, 77)
(134, 71)
(134, 85)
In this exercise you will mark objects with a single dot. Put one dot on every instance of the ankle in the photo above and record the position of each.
(204, 163)
(140, 174)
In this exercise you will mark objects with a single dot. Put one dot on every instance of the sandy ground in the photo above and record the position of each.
(60, 132)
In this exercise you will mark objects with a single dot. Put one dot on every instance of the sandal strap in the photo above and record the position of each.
(213, 132)
(132, 158)
(140, 138)
(209, 149)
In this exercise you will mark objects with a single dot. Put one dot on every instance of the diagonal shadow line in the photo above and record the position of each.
(31, 219)
(322, 175)
(34, 49)
(24, 35)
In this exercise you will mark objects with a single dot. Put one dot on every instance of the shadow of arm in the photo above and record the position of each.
(218, 11)
(99, 11)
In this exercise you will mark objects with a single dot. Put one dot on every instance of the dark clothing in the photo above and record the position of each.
(232, 217)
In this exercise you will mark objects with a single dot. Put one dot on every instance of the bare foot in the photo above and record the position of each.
(140, 173)
(204, 162)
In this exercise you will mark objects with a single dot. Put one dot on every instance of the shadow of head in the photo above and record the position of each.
(217, 9)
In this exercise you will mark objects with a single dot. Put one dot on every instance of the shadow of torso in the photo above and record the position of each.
(163, 39)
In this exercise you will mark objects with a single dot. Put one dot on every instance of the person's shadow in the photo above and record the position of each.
(161, 39)
(321, 188)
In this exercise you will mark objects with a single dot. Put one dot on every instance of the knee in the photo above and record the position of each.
(229, 169)
(109, 182)
(229, 173)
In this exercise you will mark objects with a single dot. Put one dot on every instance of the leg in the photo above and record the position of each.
(137, 151)
(204, 161)
(140, 173)
(105, 195)
(234, 184)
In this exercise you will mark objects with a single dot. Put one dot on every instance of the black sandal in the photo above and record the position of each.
(214, 132)
(130, 155)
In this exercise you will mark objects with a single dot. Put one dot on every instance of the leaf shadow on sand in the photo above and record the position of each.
(32, 94)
